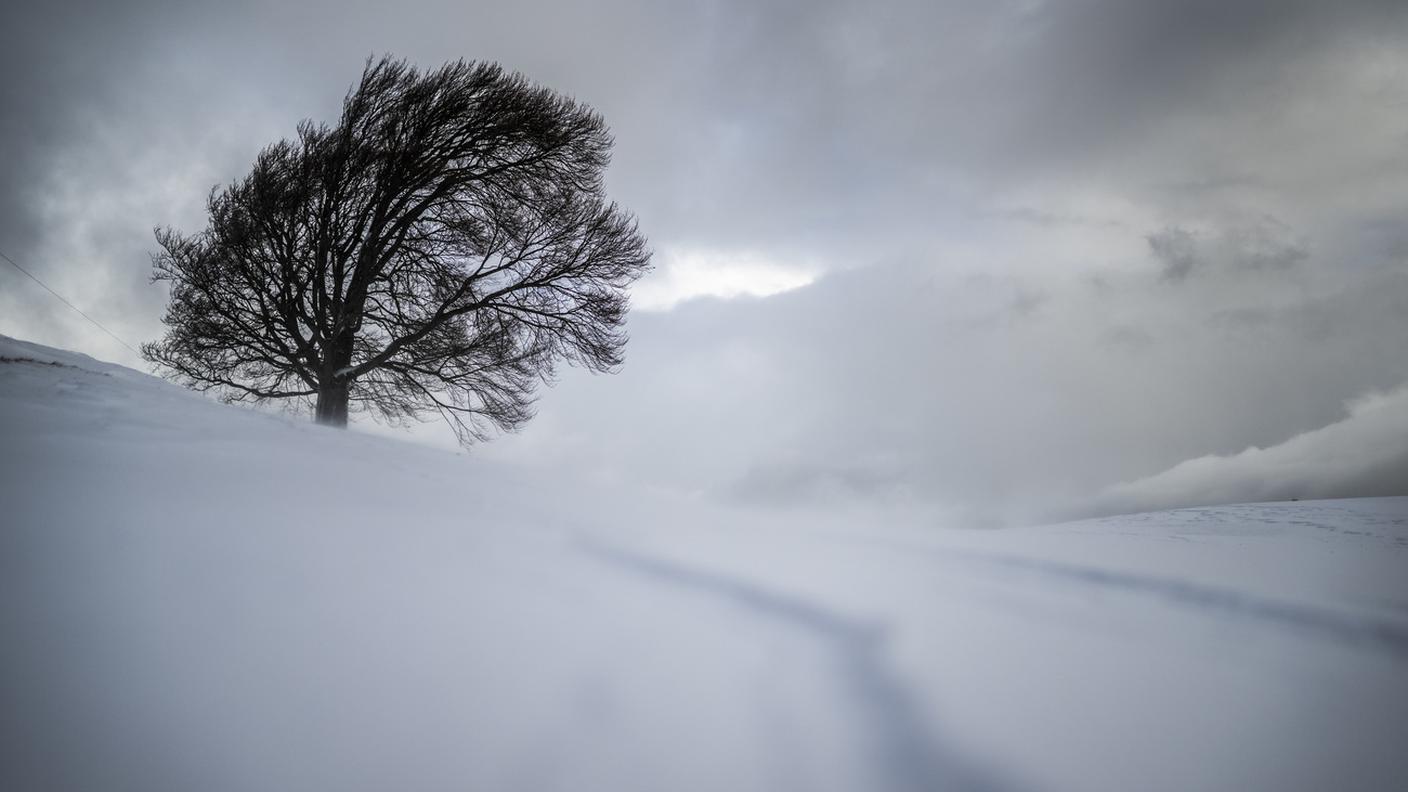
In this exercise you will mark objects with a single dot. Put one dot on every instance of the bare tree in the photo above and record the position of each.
(438, 250)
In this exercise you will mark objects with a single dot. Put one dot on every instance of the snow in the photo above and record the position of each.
(197, 596)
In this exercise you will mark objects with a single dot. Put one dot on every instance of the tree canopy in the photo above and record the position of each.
(438, 250)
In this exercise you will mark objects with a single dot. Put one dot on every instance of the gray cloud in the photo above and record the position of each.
(1057, 245)
(1176, 250)
(893, 383)
(1262, 245)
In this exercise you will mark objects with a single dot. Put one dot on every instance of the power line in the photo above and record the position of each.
(95, 322)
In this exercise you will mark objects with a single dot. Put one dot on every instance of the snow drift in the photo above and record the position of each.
(196, 596)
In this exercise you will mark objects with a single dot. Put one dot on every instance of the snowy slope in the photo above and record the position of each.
(195, 596)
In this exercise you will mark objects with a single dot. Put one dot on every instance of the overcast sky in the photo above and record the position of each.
(1002, 260)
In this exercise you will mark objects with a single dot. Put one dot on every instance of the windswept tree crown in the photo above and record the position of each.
(437, 250)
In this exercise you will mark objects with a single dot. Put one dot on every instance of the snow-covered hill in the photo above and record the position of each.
(200, 597)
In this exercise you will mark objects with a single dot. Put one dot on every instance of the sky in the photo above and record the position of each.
(995, 261)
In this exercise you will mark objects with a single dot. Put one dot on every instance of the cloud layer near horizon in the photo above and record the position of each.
(1363, 455)
(992, 258)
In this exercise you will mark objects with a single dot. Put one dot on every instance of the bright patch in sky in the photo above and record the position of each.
(684, 275)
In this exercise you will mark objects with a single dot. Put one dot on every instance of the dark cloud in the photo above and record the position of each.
(1176, 250)
(1264, 245)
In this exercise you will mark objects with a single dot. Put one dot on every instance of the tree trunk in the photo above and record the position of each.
(331, 409)
(332, 403)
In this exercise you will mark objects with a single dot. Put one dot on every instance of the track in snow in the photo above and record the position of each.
(903, 753)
